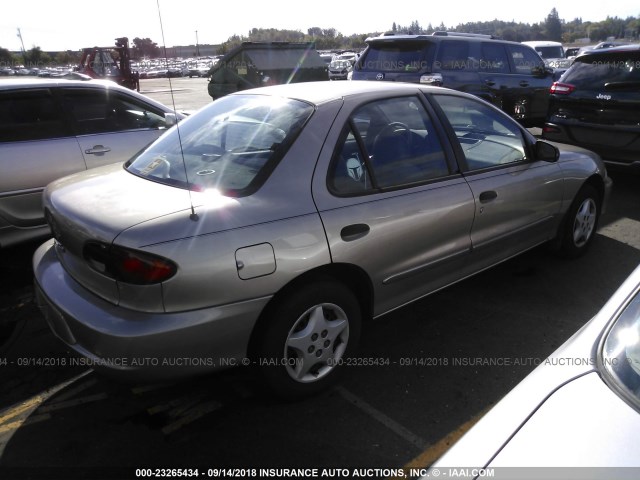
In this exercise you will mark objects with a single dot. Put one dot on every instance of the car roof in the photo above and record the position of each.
(438, 36)
(48, 82)
(35, 83)
(608, 51)
(324, 91)
(542, 43)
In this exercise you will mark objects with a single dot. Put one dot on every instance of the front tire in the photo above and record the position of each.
(581, 223)
(309, 335)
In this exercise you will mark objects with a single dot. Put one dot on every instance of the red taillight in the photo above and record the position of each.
(550, 129)
(129, 266)
(562, 88)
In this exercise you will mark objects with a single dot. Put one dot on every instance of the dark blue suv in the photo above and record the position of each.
(510, 75)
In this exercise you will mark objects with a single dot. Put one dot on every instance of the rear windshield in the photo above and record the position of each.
(605, 72)
(230, 146)
(397, 56)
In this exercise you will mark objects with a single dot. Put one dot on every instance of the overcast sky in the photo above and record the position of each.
(73, 24)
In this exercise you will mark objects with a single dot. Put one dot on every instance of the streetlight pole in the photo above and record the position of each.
(197, 49)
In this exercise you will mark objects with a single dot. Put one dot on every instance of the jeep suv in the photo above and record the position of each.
(597, 105)
(510, 75)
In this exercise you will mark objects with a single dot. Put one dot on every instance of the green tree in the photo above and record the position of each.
(5, 57)
(553, 26)
(145, 47)
(37, 58)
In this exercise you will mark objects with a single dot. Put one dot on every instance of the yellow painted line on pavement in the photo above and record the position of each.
(21, 412)
(435, 451)
(15, 411)
(19, 423)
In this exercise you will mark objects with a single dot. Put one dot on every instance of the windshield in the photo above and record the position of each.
(231, 145)
(621, 352)
(340, 64)
(550, 52)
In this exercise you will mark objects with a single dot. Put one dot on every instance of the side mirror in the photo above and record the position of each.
(546, 152)
(170, 119)
(540, 71)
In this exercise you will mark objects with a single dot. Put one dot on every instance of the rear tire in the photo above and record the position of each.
(309, 335)
(581, 223)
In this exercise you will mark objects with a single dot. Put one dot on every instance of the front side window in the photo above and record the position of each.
(230, 146)
(389, 143)
(486, 136)
(525, 59)
(103, 111)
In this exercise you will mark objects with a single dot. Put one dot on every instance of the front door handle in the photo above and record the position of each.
(97, 150)
(488, 196)
(354, 232)
(524, 83)
(489, 82)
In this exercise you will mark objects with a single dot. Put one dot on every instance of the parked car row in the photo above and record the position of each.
(191, 67)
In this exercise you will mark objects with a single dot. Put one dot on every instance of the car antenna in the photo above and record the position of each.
(194, 215)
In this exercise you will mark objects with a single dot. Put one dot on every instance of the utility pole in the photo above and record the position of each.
(24, 52)
(197, 48)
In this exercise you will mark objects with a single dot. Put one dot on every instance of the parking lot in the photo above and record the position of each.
(423, 374)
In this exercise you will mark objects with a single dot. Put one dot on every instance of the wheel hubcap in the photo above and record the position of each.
(316, 343)
(584, 223)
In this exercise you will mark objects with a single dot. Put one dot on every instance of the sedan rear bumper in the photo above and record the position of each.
(135, 345)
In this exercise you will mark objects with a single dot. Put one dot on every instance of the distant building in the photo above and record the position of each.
(186, 51)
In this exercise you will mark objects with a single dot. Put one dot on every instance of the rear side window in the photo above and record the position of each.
(494, 58)
(606, 72)
(398, 56)
(30, 115)
(454, 56)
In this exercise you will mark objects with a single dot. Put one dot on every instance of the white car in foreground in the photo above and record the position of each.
(575, 416)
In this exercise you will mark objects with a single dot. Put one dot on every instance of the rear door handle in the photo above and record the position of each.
(97, 150)
(524, 83)
(488, 196)
(354, 232)
(491, 83)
